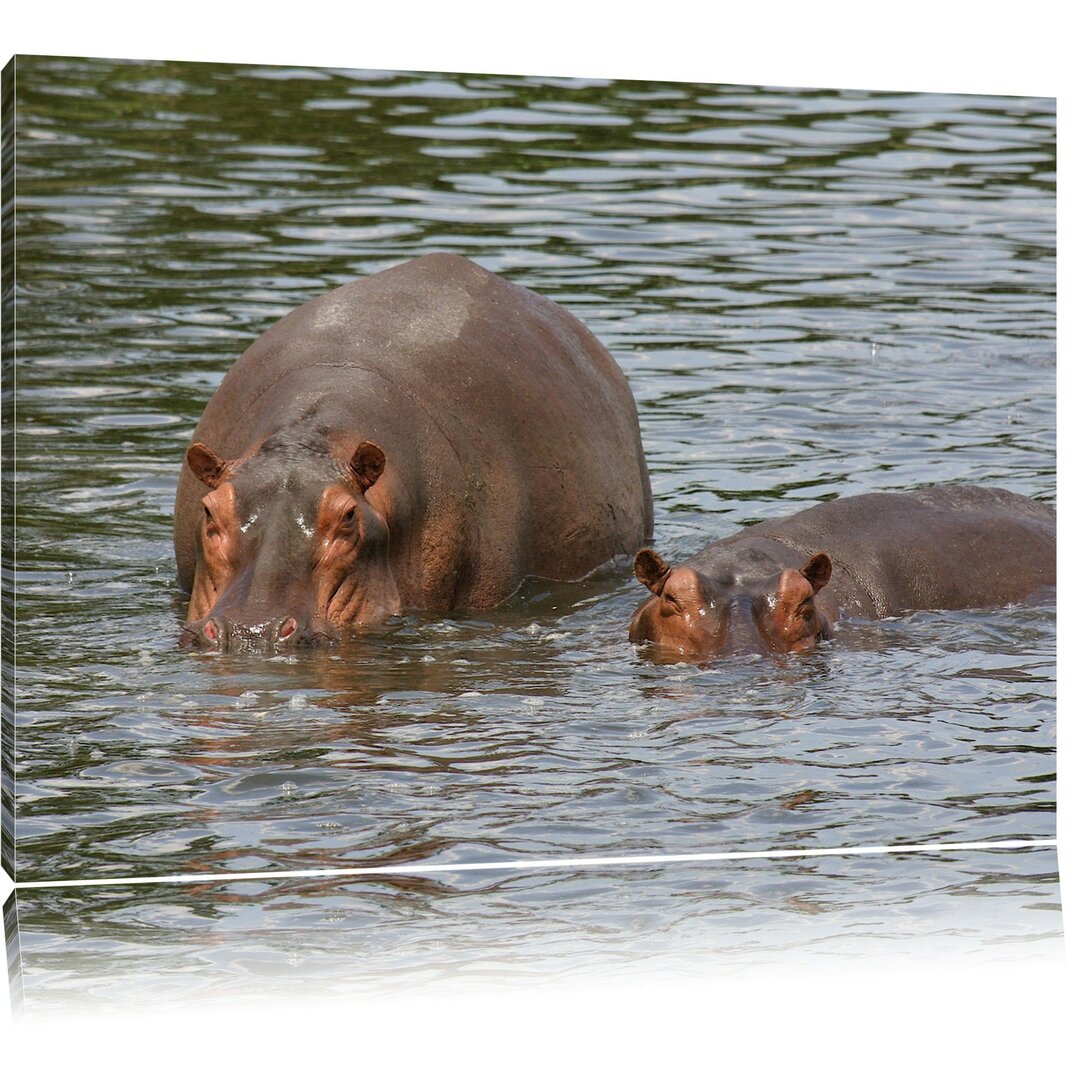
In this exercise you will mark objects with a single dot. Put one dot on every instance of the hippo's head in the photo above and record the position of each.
(694, 615)
(289, 547)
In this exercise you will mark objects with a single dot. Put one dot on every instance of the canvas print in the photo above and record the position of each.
(456, 472)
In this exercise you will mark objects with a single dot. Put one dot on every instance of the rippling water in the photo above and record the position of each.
(813, 294)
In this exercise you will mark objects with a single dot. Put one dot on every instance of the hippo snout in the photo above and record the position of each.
(220, 633)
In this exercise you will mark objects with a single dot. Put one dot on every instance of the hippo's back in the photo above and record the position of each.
(452, 336)
(948, 546)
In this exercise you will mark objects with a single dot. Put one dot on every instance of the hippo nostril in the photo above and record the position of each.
(287, 628)
(204, 633)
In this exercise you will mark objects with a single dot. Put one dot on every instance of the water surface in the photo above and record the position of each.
(813, 294)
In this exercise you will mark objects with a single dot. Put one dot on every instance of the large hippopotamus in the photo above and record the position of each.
(425, 438)
(779, 586)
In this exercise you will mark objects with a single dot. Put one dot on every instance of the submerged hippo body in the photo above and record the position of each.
(424, 438)
(779, 586)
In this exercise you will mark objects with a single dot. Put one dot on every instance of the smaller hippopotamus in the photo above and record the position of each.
(780, 586)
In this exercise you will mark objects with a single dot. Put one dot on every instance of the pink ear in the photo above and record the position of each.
(818, 571)
(651, 570)
(367, 464)
(205, 464)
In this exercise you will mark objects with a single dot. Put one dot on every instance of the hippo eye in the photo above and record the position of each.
(349, 516)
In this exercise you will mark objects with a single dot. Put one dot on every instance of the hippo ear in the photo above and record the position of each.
(651, 570)
(367, 464)
(205, 464)
(818, 571)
